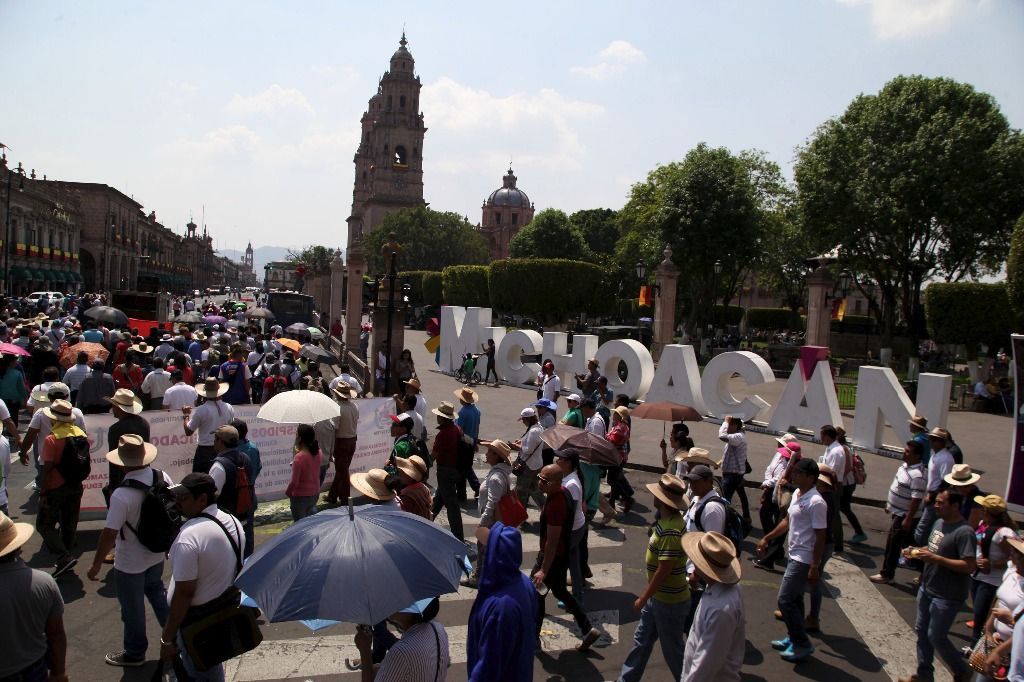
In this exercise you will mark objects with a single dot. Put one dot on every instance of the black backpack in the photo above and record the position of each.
(734, 528)
(75, 464)
(159, 519)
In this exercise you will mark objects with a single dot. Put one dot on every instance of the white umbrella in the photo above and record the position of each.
(299, 407)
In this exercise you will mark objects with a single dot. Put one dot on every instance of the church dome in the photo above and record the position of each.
(402, 53)
(508, 194)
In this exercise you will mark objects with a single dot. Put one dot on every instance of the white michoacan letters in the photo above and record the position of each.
(460, 334)
(879, 398)
(677, 378)
(639, 366)
(556, 346)
(514, 344)
(933, 397)
(820, 407)
(715, 384)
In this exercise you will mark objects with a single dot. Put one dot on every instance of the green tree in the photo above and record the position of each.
(919, 182)
(599, 227)
(466, 285)
(969, 313)
(550, 233)
(317, 259)
(430, 240)
(1015, 268)
(712, 206)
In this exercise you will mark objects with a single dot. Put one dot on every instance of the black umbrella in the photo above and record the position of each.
(297, 328)
(107, 315)
(313, 352)
(260, 314)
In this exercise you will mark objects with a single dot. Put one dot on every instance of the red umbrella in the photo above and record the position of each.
(11, 349)
(96, 351)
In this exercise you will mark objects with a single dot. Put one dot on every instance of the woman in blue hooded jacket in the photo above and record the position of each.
(502, 624)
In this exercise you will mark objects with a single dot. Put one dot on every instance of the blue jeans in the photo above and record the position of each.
(133, 589)
(791, 601)
(658, 622)
(214, 674)
(818, 588)
(934, 618)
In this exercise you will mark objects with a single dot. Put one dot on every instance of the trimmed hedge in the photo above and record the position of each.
(970, 313)
(730, 315)
(547, 289)
(465, 285)
(432, 288)
(771, 318)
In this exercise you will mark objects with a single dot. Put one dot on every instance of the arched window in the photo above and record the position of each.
(400, 156)
(515, 219)
(497, 217)
(389, 102)
(401, 101)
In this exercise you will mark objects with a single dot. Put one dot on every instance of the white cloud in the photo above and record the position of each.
(270, 101)
(228, 143)
(893, 19)
(612, 61)
(534, 127)
(230, 140)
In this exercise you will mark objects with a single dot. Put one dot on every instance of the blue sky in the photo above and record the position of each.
(252, 108)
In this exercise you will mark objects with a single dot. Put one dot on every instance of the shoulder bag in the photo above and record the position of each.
(510, 509)
(222, 628)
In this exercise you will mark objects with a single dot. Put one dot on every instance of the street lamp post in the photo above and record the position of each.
(7, 222)
(714, 296)
(641, 273)
(390, 251)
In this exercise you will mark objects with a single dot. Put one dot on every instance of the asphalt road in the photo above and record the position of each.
(866, 629)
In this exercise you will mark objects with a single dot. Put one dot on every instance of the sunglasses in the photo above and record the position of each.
(542, 480)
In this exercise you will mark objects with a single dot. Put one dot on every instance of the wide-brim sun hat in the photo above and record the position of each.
(785, 438)
(373, 483)
(698, 456)
(212, 388)
(445, 410)
(13, 535)
(993, 504)
(125, 399)
(961, 475)
(502, 448)
(671, 490)
(344, 391)
(60, 411)
(132, 451)
(714, 555)
(466, 395)
(414, 382)
(414, 467)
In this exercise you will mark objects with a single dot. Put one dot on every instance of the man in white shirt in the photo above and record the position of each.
(346, 376)
(706, 513)
(205, 559)
(40, 426)
(806, 523)
(734, 462)
(835, 458)
(137, 570)
(568, 461)
(717, 640)
(413, 387)
(595, 422)
(76, 374)
(179, 394)
(156, 384)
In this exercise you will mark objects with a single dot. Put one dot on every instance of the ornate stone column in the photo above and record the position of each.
(354, 294)
(666, 279)
(819, 314)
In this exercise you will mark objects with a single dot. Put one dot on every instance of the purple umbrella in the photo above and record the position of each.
(215, 319)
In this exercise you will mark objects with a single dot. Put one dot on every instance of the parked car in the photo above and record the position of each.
(54, 296)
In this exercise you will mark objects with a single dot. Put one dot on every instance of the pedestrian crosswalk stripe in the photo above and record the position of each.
(605, 576)
(312, 656)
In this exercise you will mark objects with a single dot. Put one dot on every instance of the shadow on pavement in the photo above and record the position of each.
(579, 666)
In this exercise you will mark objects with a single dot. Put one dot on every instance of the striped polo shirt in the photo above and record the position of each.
(908, 484)
(666, 545)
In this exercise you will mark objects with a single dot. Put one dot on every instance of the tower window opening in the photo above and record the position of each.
(515, 219)
(400, 156)
(401, 101)
(497, 218)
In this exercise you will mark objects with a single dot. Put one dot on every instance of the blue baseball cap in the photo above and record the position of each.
(544, 402)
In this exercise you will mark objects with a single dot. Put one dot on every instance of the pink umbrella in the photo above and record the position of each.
(11, 349)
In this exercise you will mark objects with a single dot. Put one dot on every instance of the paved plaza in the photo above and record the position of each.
(866, 629)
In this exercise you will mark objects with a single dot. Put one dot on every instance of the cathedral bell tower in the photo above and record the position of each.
(389, 159)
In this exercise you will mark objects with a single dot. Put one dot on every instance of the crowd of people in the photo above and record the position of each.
(960, 540)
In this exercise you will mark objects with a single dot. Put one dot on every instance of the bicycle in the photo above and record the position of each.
(467, 374)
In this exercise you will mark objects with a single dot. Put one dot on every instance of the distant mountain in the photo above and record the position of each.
(261, 255)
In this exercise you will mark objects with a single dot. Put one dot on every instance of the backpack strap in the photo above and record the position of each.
(137, 485)
(235, 546)
(700, 509)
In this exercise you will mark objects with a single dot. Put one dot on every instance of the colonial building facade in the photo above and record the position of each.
(505, 212)
(389, 159)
